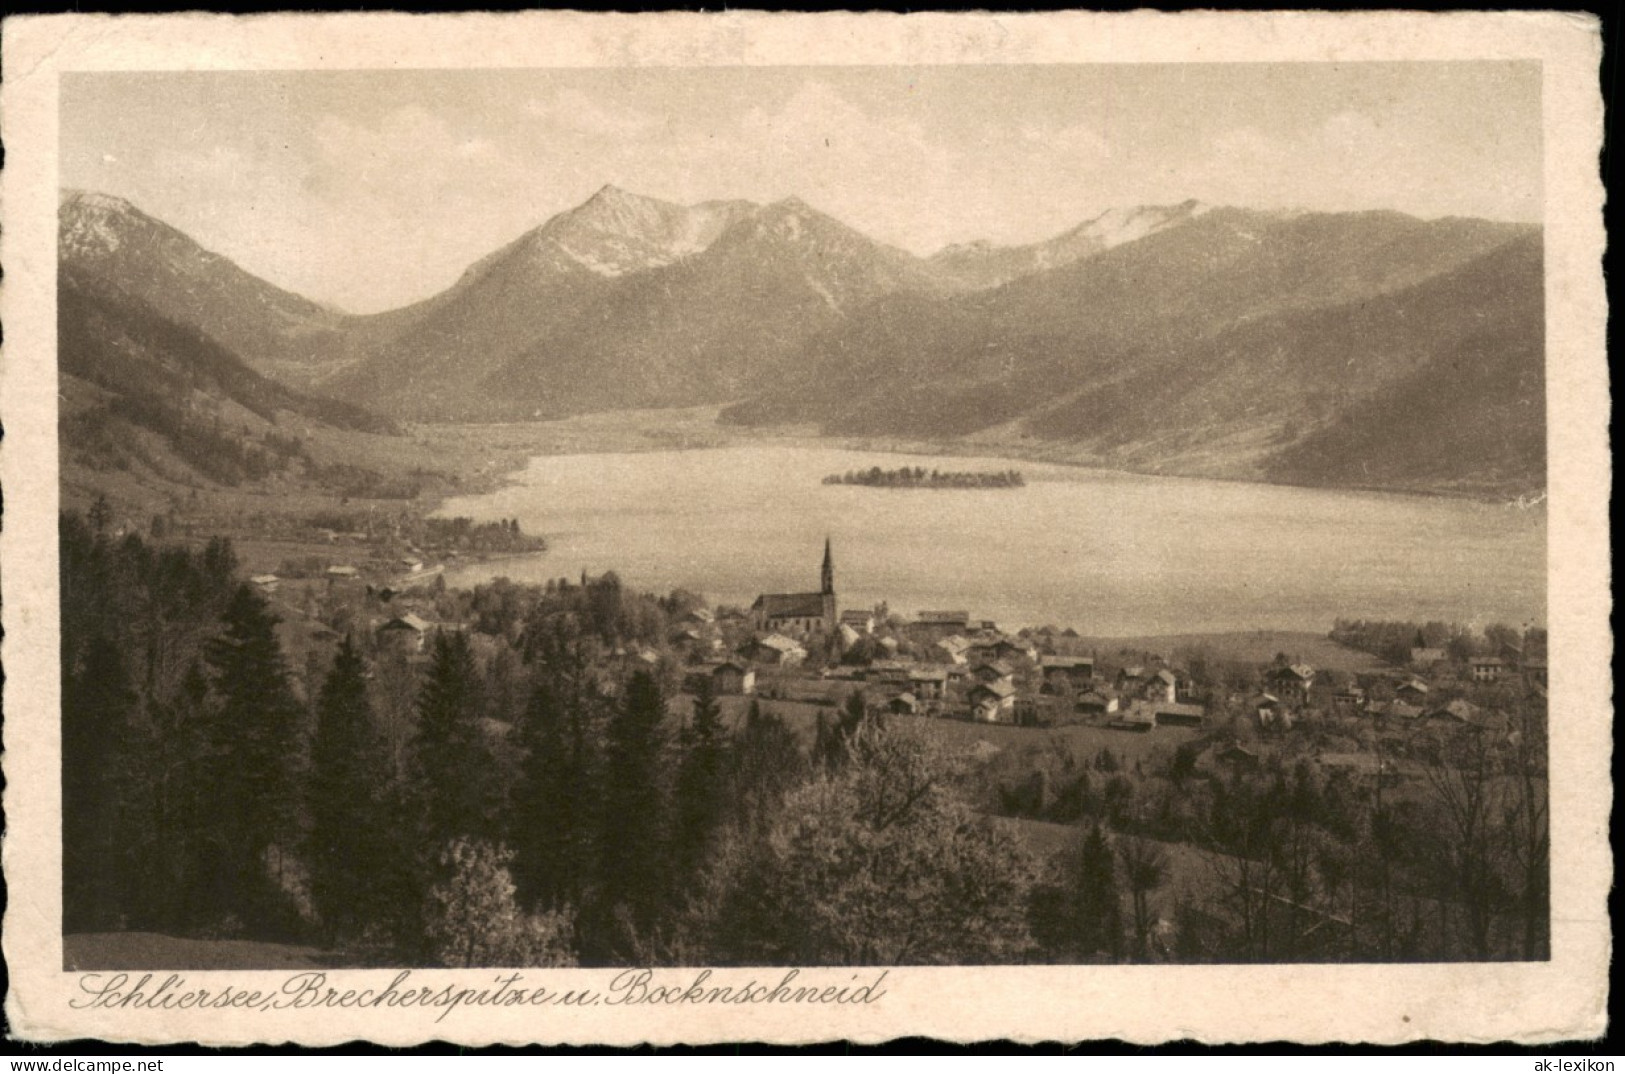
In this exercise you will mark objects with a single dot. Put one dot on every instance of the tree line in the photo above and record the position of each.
(916, 477)
(604, 823)
(1291, 860)
(517, 795)
(1393, 640)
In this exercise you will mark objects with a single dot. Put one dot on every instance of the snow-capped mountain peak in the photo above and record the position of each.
(616, 232)
(93, 224)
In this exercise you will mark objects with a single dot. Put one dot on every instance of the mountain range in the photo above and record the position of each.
(1365, 349)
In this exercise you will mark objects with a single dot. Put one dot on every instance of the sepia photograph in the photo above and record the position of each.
(801, 516)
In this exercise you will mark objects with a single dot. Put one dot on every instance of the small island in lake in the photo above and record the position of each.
(918, 477)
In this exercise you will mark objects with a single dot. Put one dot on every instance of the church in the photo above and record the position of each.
(799, 614)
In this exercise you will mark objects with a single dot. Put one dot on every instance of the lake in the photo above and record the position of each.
(1110, 554)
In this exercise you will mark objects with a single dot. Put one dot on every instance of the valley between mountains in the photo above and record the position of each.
(1365, 350)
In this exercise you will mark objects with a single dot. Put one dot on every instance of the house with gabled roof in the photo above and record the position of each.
(777, 650)
(1138, 718)
(1095, 702)
(1401, 711)
(405, 633)
(1460, 713)
(1006, 649)
(993, 671)
(1178, 714)
(1291, 680)
(733, 677)
(1412, 691)
(1162, 685)
(931, 626)
(859, 620)
(992, 702)
(887, 673)
(1066, 674)
(927, 684)
(1130, 679)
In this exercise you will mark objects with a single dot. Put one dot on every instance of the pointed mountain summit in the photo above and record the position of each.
(108, 245)
(615, 232)
(980, 264)
(711, 326)
(445, 357)
(627, 300)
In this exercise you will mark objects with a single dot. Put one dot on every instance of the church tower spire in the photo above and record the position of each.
(827, 590)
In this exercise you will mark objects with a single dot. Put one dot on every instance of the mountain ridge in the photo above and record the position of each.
(1133, 335)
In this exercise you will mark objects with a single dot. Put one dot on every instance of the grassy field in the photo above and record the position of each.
(982, 739)
(156, 951)
(1250, 647)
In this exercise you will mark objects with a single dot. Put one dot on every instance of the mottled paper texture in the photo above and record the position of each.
(1561, 999)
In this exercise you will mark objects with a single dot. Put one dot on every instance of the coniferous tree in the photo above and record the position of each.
(97, 703)
(701, 793)
(555, 821)
(452, 768)
(826, 747)
(830, 741)
(252, 779)
(634, 836)
(183, 729)
(767, 764)
(1098, 912)
(348, 849)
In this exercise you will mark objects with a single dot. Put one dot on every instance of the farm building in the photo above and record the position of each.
(732, 678)
(1065, 674)
(934, 626)
(928, 684)
(405, 633)
(992, 702)
(1096, 703)
(1135, 719)
(860, 621)
(777, 650)
(1291, 680)
(1174, 714)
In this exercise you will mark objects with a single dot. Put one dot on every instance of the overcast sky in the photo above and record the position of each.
(369, 190)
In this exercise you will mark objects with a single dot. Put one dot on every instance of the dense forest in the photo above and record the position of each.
(519, 794)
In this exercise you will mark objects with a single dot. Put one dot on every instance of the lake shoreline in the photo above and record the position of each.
(696, 429)
(1109, 553)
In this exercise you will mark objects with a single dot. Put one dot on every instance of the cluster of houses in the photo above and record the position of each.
(957, 666)
(947, 664)
(405, 573)
(1426, 693)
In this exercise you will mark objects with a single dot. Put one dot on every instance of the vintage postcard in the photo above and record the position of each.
(691, 528)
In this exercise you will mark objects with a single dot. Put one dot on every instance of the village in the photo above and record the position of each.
(804, 653)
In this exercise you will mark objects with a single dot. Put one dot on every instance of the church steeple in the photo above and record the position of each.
(828, 591)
